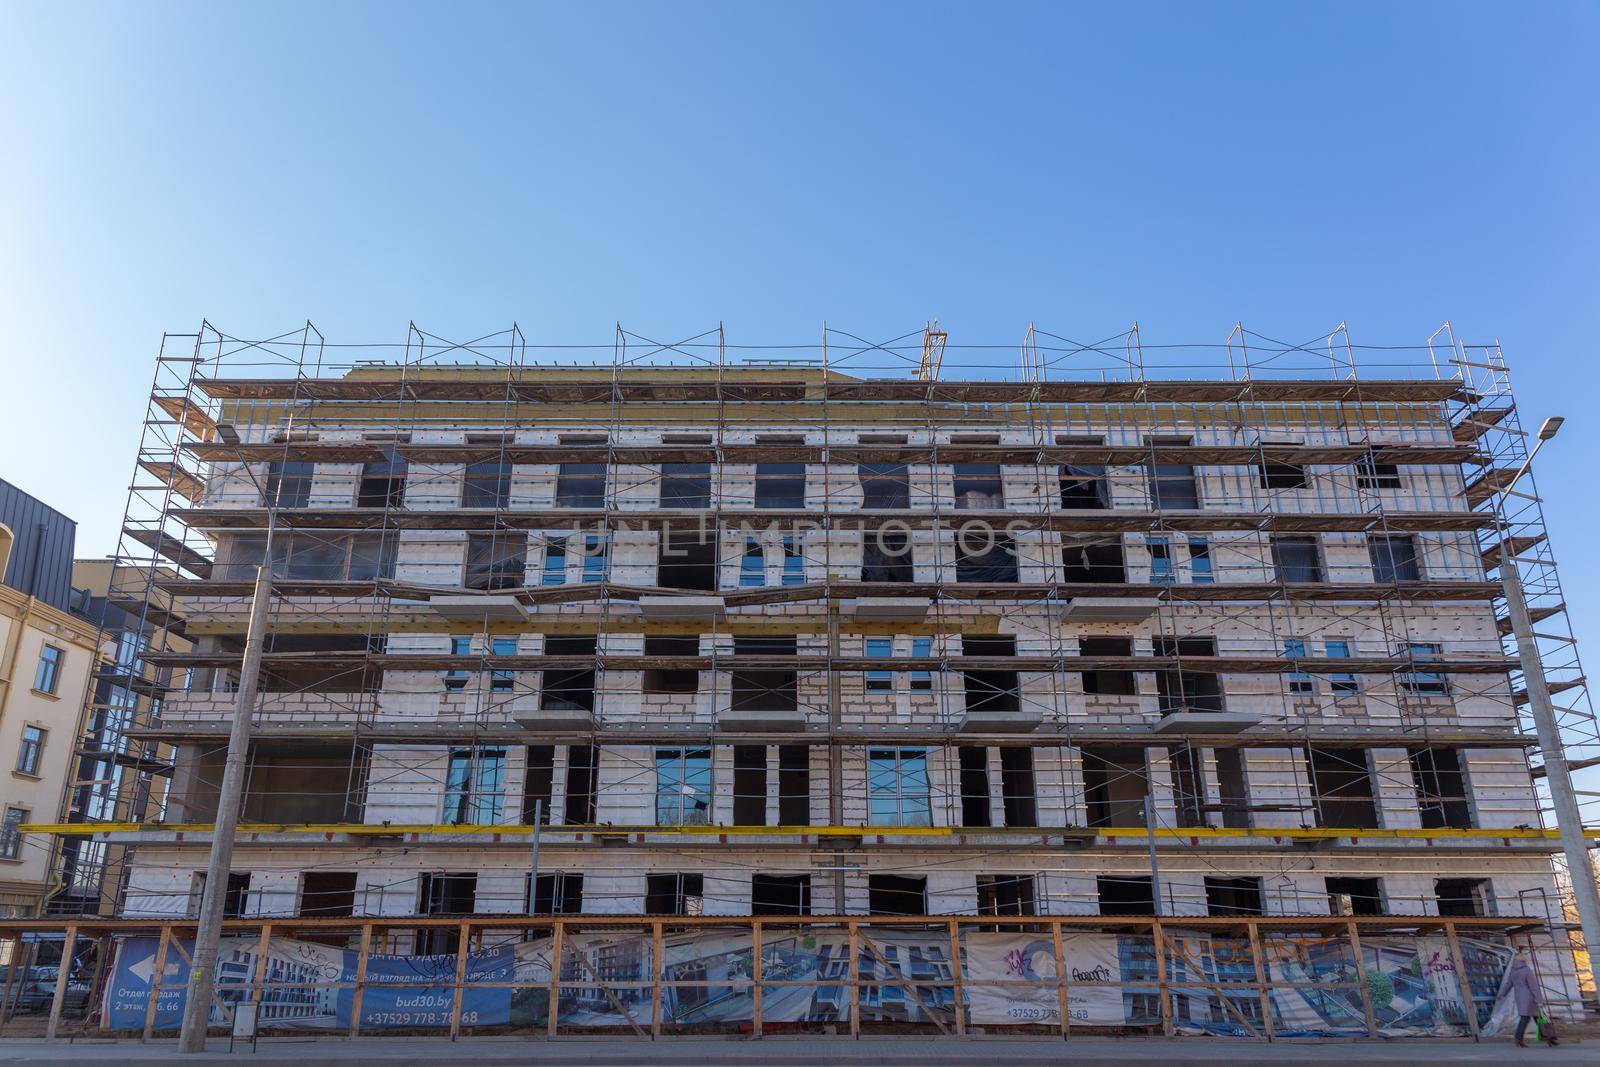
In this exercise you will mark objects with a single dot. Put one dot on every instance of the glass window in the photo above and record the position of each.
(30, 751)
(1172, 485)
(1160, 559)
(880, 648)
(1296, 559)
(1294, 650)
(288, 484)
(596, 551)
(1394, 558)
(884, 485)
(457, 677)
(781, 485)
(555, 561)
(475, 786)
(1084, 487)
(48, 676)
(487, 484)
(1425, 683)
(897, 787)
(683, 786)
(581, 485)
(1200, 561)
(794, 562)
(503, 646)
(922, 648)
(686, 485)
(977, 487)
(11, 833)
(1341, 682)
(752, 565)
(496, 561)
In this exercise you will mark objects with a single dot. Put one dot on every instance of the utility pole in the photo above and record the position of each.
(203, 970)
(1569, 820)
(1150, 832)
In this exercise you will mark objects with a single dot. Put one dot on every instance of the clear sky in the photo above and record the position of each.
(771, 166)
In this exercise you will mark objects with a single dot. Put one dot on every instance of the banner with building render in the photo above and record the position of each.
(1007, 978)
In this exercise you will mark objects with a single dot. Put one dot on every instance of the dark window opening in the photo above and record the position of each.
(1297, 559)
(1114, 786)
(1354, 896)
(288, 484)
(781, 485)
(538, 784)
(1084, 487)
(978, 487)
(581, 485)
(990, 690)
(1371, 475)
(893, 894)
(1188, 784)
(687, 563)
(486, 484)
(1184, 690)
(235, 900)
(1463, 898)
(314, 673)
(383, 481)
(1394, 558)
(581, 769)
(557, 894)
(1172, 485)
(327, 894)
(749, 785)
(1125, 896)
(1108, 682)
(794, 785)
(1231, 787)
(884, 485)
(764, 690)
(686, 485)
(496, 561)
(444, 894)
(1233, 896)
(994, 561)
(1342, 786)
(975, 809)
(886, 556)
(568, 690)
(1282, 476)
(300, 783)
(1441, 788)
(1094, 562)
(671, 679)
(674, 894)
(1017, 786)
(772, 894)
(1006, 894)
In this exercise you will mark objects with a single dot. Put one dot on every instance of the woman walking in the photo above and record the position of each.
(1530, 999)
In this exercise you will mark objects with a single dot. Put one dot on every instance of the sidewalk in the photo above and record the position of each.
(797, 1051)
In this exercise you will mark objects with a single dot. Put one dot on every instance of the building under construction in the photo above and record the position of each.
(849, 629)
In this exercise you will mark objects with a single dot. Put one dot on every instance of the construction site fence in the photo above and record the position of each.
(1258, 978)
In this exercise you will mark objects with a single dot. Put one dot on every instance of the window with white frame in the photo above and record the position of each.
(897, 787)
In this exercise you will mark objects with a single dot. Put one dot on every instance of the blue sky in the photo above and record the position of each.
(771, 166)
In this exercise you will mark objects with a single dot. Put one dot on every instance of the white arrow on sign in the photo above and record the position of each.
(146, 968)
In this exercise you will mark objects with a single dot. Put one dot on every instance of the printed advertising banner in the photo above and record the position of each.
(907, 976)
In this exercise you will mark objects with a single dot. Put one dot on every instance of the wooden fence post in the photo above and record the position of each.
(361, 979)
(755, 976)
(1460, 962)
(557, 946)
(855, 983)
(1262, 989)
(1361, 976)
(657, 969)
(463, 945)
(62, 973)
(958, 961)
(1163, 993)
(156, 976)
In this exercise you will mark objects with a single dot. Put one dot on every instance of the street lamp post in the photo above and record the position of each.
(1569, 821)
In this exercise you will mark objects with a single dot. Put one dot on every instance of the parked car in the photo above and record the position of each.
(34, 988)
